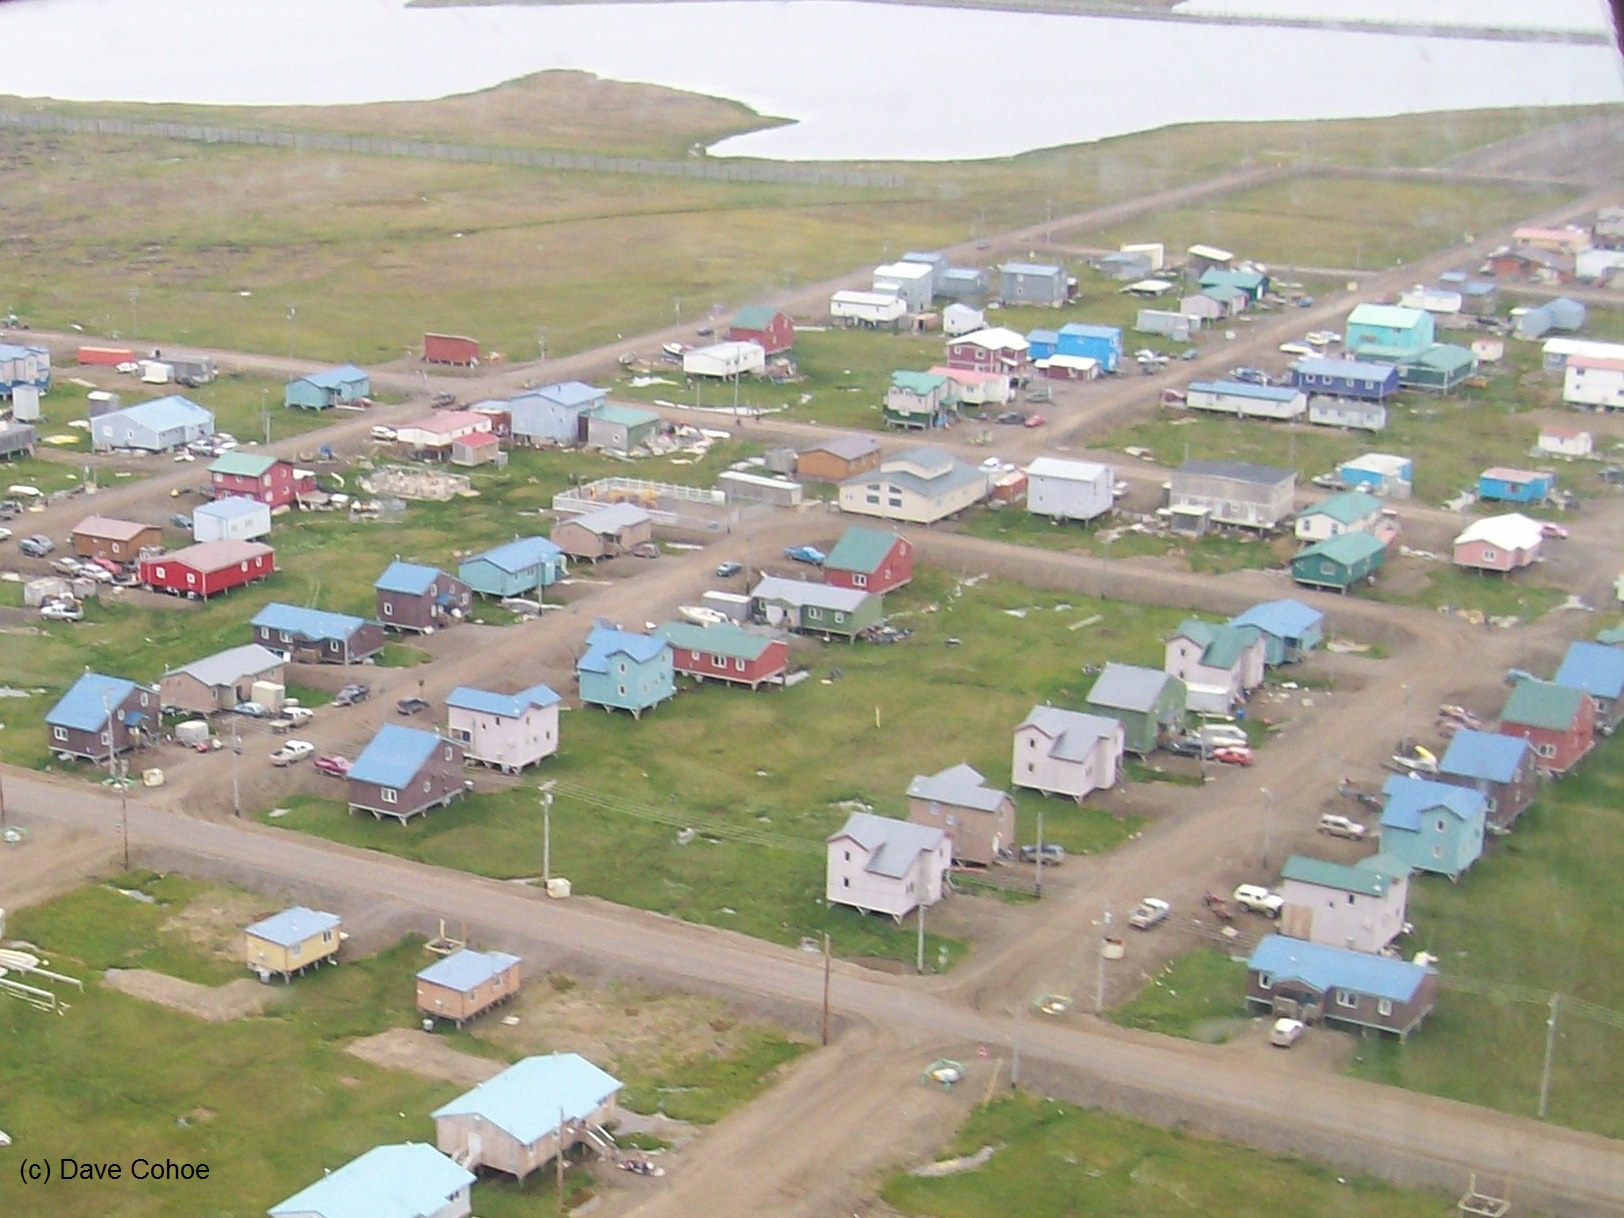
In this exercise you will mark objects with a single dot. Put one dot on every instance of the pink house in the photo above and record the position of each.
(505, 731)
(1499, 543)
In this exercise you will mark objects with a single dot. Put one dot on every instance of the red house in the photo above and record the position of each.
(769, 329)
(209, 568)
(725, 652)
(450, 349)
(1557, 720)
(872, 560)
(994, 350)
(270, 480)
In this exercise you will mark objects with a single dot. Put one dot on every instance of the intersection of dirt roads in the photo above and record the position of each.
(816, 1142)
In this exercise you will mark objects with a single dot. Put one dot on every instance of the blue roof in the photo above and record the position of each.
(1353, 369)
(337, 378)
(1486, 755)
(1409, 799)
(164, 414)
(409, 577)
(86, 704)
(1042, 336)
(293, 926)
(1284, 619)
(312, 624)
(394, 756)
(1326, 968)
(1242, 389)
(605, 641)
(1082, 329)
(407, 1180)
(571, 393)
(1593, 667)
(527, 1099)
(520, 555)
(231, 507)
(510, 706)
(467, 969)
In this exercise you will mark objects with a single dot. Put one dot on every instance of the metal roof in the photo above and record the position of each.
(994, 338)
(605, 641)
(1284, 619)
(1345, 548)
(1031, 268)
(1238, 471)
(1370, 877)
(721, 639)
(210, 556)
(1068, 471)
(609, 519)
(110, 529)
(1349, 369)
(529, 1099)
(1129, 687)
(1386, 464)
(1594, 668)
(1326, 968)
(466, 969)
(1245, 389)
(164, 414)
(939, 478)
(337, 378)
(801, 592)
(626, 416)
(1388, 317)
(86, 704)
(409, 1180)
(847, 448)
(571, 395)
(293, 926)
(316, 625)
(861, 550)
(408, 577)
(1051, 337)
(508, 706)
(1222, 645)
(1543, 704)
(918, 383)
(1487, 755)
(961, 785)
(226, 667)
(1073, 733)
(394, 756)
(1512, 531)
(1349, 507)
(243, 465)
(1409, 799)
(519, 555)
(754, 317)
(1446, 357)
(1082, 329)
(231, 507)
(892, 844)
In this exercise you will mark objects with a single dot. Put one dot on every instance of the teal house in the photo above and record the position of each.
(625, 671)
(525, 564)
(1339, 562)
(1433, 826)
(1439, 369)
(1388, 334)
(328, 388)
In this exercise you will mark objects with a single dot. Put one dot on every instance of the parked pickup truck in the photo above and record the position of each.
(292, 717)
(1259, 899)
(1152, 911)
(292, 751)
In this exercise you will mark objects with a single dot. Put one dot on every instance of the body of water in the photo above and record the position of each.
(861, 81)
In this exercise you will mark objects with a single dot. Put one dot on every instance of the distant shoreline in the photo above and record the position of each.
(1151, 11)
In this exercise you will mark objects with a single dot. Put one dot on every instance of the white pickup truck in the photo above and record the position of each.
(1152, 911)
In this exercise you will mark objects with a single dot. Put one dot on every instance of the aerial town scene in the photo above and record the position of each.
(733, 610)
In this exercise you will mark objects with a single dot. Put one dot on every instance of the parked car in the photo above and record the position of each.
(1286, 1032)
(806, 554)
(1152, 911)
(90, 570)
(1053, 854)
(411, 706)
(292, 751)
(1012, 417)
(1341, 826)
(181, 521)
(254, 710)
(1185, 746)
(645, 549)
(1551, 529)
(381, 432)
(355, 691)
(332, 763)
(61, 611)
(727, 569)
(67, 564)
(36, 546)
(5, 534)
(1232, 754)
(1249, 376)
(1034, 420)
(1259, 899)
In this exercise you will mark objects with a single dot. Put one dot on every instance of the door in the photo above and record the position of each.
(1297, 922)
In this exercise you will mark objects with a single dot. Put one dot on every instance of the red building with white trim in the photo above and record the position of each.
(770, 329)
(209, 568)
(725, 652)
(870, 560)
(271, 480)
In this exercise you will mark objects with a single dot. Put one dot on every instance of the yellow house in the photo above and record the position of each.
(292, 941)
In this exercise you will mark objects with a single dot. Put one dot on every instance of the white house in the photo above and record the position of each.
(724, 360)
(1069, 490)
(919, 486)
(877, 864)
(234, 518)
(1360, 908)
(1348, 512)
(960, 318)
(1218, 664)
(867, 308)
(1560, 440)
(1593, 380)
(1063, 752)
(912, 282)
(506, 731)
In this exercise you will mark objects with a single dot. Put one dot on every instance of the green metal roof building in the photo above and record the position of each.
(1340, 562)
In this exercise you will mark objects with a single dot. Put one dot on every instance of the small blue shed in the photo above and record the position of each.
(1379, 474)
(1515, 485)
(329, 388)
(1290, 629)
(1041, 344)
(1102, 343)
(520, 566)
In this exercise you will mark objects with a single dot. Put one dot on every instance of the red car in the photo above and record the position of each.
(1233, 755)
(1034, 420)
(332, 764)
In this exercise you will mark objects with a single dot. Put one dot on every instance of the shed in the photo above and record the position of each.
(519, 566)
(1379, 474)
(328, 388)
(451, 349)
(505, 731)
(877, 864)
(1295, 979)
(1065, 490)
(219, 682)
(1559, 721)
(480, 448)
(466, 984)
(621, 428)
(17, 439)
(292, 941)
(960, 319)
(231, 519)
(118, 541)
(409, 1180)
(404, 772)
(768, 328)
(1067, 752)
(535, 1109)
(1149, 703)
(314, 636)
(1561, 440)
(1339, 562)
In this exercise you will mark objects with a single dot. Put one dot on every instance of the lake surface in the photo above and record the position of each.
(862, 81)
(1551, 16)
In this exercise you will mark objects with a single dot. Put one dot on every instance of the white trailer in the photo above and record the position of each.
(724, 360)
(1247, 401)
(867, 308)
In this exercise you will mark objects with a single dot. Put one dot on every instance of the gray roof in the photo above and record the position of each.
(961, 785)
(1128, 687)
(848, 448)
(1240, 471)
(800, 592)
(226, 667)
(1074, 733)
(609, 519)
(893, 845)
(948, 472)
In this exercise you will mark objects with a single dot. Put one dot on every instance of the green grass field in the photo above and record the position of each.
(1052, 1160)
(1200, 996)
(267, 1102)
(762, 762)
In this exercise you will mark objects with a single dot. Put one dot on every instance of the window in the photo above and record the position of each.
(191, 577)
(283, 635)
(622, 691)
(839, 616)
(158, 572)
(1031, 767)
(106, 738)
(718, 662)
(296, 949)
(873, 497)
(390, 795)
(388, 609)
(59, 733)
(738, 665)
(812, 611)
(848, 856)
(935, 808)
(859, 581)
(1545, 750)
(426, 786)
(143, 699)
(1440, 824)
(448, 752)
(845, 881)
(1351, 898)
(1384, 1007)
(1437, 852)
(1265, 981)
(1346, 998)
(1489, 554)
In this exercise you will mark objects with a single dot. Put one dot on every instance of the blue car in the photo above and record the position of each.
(807, 554)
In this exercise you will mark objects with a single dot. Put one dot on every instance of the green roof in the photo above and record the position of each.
(626, 416)
(722, 639)
(1543, 704)
(245, 465)
(1221, 645)
(1369, 877)
(1612, 636)
(860, 550)
(1349, 507)
(1447, 357)
(1348, 549)
(754, 317)
(918, 383)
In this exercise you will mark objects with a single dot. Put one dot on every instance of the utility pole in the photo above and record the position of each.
(236, 751)
(1039, 882)
(135, 299)
(919, 947)
(124, 809)
(1550, 1052)
(825, 987)
(1268, 823)
(547, 831)
(293, 312)
(265, 412)
(558, 1205)
(1015, 1054)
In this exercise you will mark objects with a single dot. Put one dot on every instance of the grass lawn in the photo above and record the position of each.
(227, 1094)
(1053, 1160)
(1200, 996)
(1210, 555)
(1450, 587)
(759, 764)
